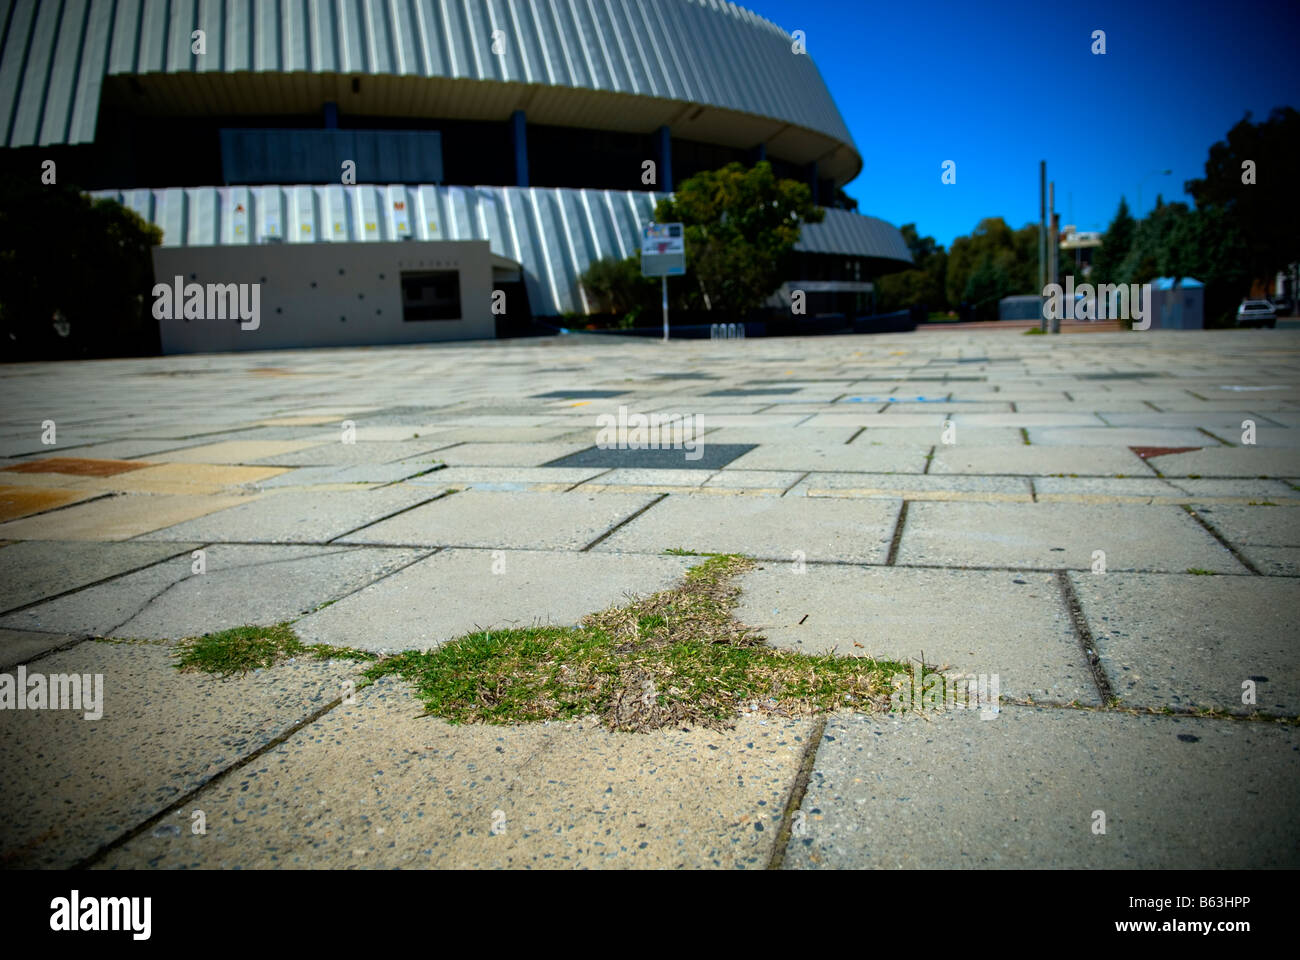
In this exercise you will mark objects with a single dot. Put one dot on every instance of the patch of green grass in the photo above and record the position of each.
(240, 649)
(682, 552)
(1034, 332)
(1024, 435)
(674, 658)
(1197, 571)
(1261, 503)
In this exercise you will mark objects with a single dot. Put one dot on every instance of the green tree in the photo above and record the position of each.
(1264, 212)
(89, 261)
(1115, 246)
(741, 226)
(923, 284)
(992, 263)
(615, 286)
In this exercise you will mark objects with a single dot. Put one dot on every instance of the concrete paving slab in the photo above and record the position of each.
(1049, 536)
(169, 601)
(500, 477)
(35, 570)
(507, 520)
(870, 458)
(118, 517)
(361, 453)
(484, 434)
(301, 421)
(1269, 537)
(795, 436)
(237, 451)
(23, 646)
(1107, 490)
(1020, 790)
(1037, 461)
(733, 479)
(1026, 420)
(1216, 421)
(69, 785)
(1192, 641)
(666, 478)
(1100, 436)
(921, 436)
(411, 793)
(510, 454)
(456, 592)
(1275, 462)
(361, 473)
(769, 527)
(1248, 487)
(867, 417)
(1011, 625)
(389, 433)
(196, 478)
(913, 486)
(298, 515)
(24, 501)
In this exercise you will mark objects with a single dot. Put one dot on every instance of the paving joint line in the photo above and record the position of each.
(797, 792)
(105, 849)
(1209, 528)
(396, 513)
(898, 535)
(430, 551)
(597, 476)
(624, 522)
(1083, 633)
(1213, 437)
(1170, 713)
(77, 640)
(101, 581)
(796, 483)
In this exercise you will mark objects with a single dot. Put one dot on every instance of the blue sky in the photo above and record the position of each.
(923, 82)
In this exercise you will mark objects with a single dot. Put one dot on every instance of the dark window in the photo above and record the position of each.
(431, 295)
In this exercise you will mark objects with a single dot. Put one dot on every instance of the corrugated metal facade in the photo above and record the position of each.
(554, 234)
(54, 54)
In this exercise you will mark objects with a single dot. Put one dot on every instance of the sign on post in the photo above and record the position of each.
(663, 254)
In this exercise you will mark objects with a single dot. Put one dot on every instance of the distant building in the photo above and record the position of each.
(544, 130)
(1077, 250)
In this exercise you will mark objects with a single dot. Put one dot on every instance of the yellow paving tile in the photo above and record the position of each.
(237, 451)
(186, 478)
(22, 501)
(118, 518)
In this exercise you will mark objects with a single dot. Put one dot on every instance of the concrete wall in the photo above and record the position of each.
(325, 294)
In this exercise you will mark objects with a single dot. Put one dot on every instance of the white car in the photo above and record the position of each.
(1256, 313)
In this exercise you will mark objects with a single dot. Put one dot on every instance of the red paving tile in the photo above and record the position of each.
(79, 466)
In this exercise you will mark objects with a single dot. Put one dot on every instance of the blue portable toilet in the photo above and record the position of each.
(1177, 303)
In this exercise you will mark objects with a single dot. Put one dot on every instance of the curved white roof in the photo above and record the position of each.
(711, 70)
(554, 234)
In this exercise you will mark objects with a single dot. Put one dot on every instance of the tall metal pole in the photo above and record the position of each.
(664, 280)
(1052, 249)
(1042, 232)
